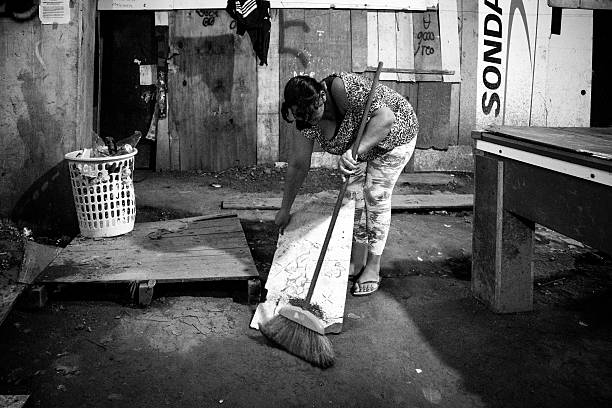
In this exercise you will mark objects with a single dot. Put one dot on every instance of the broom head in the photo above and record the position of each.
(302, 334)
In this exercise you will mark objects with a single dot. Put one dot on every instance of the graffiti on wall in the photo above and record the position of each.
(208, 16)
(426, 39)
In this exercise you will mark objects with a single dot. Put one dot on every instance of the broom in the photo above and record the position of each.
(298, 327)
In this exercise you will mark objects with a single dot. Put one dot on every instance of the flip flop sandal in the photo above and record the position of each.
(356, 289)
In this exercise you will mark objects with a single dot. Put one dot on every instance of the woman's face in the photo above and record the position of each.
(311, 114)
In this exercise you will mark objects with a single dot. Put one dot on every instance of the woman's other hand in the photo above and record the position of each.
(282, 219)
(347, 164)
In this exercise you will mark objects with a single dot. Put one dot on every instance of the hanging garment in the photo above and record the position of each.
(253, 16)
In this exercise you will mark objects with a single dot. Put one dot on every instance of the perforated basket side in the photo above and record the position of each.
(103, 192)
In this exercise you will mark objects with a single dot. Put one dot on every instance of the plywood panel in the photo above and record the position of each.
(449, 39)
(405, 45)
(426, 41)
(292, 61)
(268, 99)
(340, 40)
(435, 102)
(359, 40)
(387, 44)
(372, 36)
(212, 97)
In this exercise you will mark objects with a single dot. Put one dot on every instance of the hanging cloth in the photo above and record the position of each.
(253, 16)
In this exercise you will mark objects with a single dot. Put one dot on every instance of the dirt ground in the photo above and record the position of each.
(422, 340)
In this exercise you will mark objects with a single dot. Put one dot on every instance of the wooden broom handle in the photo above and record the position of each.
(334, 217)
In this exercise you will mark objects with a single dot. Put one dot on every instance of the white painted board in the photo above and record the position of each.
(296, 257)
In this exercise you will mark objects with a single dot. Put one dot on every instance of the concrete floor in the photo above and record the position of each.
(420, 341)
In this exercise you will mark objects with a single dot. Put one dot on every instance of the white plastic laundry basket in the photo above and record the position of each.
(103, 193)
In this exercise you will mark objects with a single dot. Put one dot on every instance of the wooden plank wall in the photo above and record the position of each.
(46, 110)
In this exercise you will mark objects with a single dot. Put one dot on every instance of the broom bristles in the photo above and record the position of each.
(299, 340)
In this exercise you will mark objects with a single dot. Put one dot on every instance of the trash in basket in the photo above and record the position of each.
(103, 192)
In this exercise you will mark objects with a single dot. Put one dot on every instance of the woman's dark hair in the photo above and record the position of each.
(301, 91)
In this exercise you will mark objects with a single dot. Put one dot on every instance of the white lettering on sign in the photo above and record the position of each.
(506, 55)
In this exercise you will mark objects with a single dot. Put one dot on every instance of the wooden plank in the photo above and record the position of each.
(36, 258)
(189, 249)
(9, 292)
(398, 202)
(453, 114)
(215, 69)
(359, 40)
(576, 211)
(13, 401)
(584, 142)
(162, 145)
(426, 42)
(548, 152)
(449, 39)
(372, 37)
(174, 142)
(295, 259)
(434, 113)
(293, 61)
(387, 44)
(268, 99)
(162, 139)
(581, 4)
(559, 166)
(502, 244)
(339, 41)
(404, 39)
(469, 64)
(425, 178)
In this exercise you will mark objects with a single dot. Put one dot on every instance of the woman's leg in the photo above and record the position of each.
(360, 236)
(381, 175)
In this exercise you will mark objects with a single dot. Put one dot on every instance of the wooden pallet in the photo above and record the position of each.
(206, 248)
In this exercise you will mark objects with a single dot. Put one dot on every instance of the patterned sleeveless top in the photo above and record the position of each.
(403, 130)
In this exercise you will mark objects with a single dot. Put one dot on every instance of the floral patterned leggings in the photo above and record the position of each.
(371, 187)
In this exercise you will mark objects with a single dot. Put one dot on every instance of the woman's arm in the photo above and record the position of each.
(378, 125)
(376, 129)
(299, 164)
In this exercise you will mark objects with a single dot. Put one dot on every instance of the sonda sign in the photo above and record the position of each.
(506, 53)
